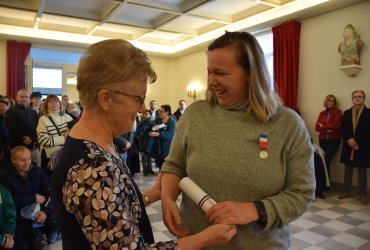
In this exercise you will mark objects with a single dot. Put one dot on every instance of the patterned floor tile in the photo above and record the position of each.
(350, 240)
(331, 244)
(330, 224)
(338, 225)
(310, 237)
(324, 231)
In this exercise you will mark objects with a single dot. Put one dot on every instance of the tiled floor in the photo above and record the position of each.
(329, 224)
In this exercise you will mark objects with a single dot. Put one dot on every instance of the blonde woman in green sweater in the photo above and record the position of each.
(242, 147)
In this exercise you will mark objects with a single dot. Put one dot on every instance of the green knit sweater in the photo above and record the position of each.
(7, 215)
(218, 149)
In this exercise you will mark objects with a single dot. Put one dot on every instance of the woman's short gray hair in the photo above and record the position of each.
(107, 62)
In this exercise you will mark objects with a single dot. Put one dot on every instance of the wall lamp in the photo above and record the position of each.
(192, 90)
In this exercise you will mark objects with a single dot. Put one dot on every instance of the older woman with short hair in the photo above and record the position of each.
(97, 202)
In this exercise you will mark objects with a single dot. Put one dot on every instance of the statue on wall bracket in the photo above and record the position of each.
(350, 49)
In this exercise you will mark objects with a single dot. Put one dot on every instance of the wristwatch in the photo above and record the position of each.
(262, 214)
(146, 199)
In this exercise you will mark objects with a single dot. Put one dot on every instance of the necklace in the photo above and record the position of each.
(111, 148)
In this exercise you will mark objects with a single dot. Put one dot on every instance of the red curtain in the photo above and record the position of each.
(286, 60)
(16, 54)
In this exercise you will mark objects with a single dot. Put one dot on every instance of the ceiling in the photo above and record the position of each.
(159, 26)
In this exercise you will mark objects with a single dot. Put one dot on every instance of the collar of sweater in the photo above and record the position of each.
(54, 113)
(241, 106)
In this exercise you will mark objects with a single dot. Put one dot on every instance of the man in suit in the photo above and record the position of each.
(180, 110)
(356, 144)
(153, 110)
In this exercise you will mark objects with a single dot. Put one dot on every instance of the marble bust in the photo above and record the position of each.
(350, 48)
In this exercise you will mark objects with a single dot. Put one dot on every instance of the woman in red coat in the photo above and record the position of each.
(328, 125)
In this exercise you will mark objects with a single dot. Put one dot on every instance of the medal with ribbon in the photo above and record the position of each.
(263, 143)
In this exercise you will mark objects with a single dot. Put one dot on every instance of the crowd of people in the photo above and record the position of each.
(67, 168)
(31, 130)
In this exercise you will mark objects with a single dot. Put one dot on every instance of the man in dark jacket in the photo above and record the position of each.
(4, 134)
(356, 144)
(180, 110)
(29, 185)
(21, 121)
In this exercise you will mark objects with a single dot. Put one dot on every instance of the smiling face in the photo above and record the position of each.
(226, 77)
(22, 161)
(124, 108)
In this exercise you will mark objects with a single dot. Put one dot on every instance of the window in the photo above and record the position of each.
(54, 71)
(265, 39)
(47, 80)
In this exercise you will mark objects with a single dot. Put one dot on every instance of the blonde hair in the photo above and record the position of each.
(263, 101)
(327, 98)
(44, 108)
(108, 62)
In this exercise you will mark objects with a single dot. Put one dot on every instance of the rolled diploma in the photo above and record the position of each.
(196, 194)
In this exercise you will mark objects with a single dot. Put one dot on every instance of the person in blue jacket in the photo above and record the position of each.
(28, 185)
(163, 132)
(7, 219)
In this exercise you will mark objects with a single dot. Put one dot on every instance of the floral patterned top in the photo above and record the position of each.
(104, 200)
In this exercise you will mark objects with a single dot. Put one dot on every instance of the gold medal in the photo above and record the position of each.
(263, 155)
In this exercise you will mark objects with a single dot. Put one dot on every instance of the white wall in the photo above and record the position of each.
(319, 62)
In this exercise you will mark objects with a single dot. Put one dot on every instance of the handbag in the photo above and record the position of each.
(55, 155)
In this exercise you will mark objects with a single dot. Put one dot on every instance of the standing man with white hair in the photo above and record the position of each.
(356, 144)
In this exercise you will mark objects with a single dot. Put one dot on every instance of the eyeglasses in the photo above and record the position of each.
(139, 99)
(357, 96)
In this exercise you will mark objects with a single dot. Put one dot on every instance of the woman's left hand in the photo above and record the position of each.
(154, 134)
(232, 213)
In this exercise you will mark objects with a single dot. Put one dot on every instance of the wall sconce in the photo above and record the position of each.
(192, 90)
(192, 93)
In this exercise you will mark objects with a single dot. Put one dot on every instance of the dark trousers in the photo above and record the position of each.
(330, 147)
(44, 162)
(348, 176)
(133, 160)
(26, 237)
(319, 174)
(147, 163)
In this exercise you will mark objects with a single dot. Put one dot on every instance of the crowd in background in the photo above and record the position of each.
(33, 130)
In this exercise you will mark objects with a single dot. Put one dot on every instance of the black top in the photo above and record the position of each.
(93, 190)
(21, 121)
(361, 135)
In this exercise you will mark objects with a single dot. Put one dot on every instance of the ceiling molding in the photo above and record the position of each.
(156, 26)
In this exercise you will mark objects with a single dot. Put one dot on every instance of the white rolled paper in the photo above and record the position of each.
(196, 194)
